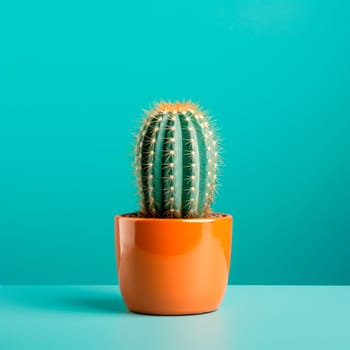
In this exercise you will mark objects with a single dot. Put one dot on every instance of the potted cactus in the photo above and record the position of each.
(173, 256)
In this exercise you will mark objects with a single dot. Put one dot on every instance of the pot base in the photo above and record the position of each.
(176, 313)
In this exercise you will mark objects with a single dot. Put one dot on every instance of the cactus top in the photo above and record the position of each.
(176, 161)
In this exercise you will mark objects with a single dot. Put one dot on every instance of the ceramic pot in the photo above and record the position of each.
(173, 266)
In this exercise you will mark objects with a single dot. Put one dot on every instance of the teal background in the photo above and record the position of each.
(74, 78)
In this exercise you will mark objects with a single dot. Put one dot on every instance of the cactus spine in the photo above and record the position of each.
(176, 161)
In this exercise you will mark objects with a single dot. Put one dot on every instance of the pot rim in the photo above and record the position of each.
(220, 216)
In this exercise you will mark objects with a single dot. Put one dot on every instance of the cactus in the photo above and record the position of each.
(176, 162)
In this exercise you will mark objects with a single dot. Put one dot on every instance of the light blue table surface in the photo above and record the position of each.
(250, 317)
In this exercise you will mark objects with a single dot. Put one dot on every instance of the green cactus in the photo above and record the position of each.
(176, 162)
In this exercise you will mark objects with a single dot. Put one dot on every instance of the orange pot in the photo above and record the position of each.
(173, 266)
